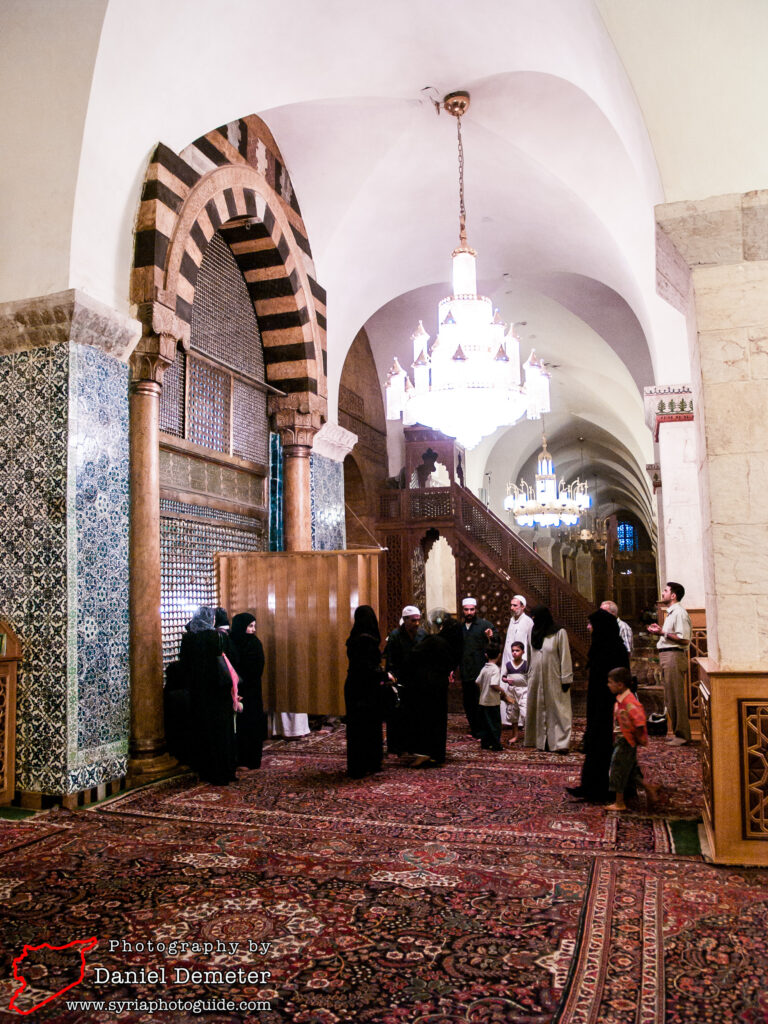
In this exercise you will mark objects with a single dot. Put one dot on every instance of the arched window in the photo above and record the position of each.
(626, 534)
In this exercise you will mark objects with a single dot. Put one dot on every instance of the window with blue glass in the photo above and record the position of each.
(626, 535)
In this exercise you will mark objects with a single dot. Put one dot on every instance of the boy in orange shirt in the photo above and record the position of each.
(629, 723)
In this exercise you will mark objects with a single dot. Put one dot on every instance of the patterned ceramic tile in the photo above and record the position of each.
(327, 504)
(63, 446)
(275, 493)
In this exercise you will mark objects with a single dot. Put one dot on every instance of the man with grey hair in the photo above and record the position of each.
(625, 630)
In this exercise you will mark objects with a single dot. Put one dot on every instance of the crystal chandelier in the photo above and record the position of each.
(468, 382)
(547, 503)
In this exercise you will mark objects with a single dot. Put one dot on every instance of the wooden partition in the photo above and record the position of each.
(303, 602)
(10, 655)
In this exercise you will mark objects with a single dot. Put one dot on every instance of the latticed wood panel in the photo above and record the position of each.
(394, 573)
(705, 705)
(696, 649)
(491, 593)
(753, 720)
(390, 503)
(430, 503)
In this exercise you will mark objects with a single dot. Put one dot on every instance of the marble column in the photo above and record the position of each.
(298, 418)
(154, 353)
(669, 414)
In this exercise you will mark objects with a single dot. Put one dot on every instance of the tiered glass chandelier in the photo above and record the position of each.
(468, 382)
(547, 503)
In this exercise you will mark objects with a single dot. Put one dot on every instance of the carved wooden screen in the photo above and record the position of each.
(303, 602)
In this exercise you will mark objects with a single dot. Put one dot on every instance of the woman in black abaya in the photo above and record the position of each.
(211, 699)
(606, 652)
(248, 659)
(363, 695)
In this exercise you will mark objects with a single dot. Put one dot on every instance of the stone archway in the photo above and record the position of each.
(233, 181)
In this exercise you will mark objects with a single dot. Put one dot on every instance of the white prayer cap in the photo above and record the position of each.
(521, 599)
(409, 610)
(468, 601)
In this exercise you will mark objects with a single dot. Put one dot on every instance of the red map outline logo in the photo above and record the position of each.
(86, 945)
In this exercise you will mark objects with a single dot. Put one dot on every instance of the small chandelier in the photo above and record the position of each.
(468, 382)
(547, 503)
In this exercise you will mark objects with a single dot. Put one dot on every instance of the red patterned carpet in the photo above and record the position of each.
(473, 893)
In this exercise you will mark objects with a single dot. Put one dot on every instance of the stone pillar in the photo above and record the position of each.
(669, 414)
(155, 351)
(64, 564)
(724, 243)
(298, 418)
(585, 580)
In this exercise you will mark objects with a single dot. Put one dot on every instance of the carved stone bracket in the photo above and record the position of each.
(162, 331)
(297, 417)
(653, 469)
(334, 442)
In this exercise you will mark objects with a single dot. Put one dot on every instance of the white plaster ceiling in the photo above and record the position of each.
(584, 115)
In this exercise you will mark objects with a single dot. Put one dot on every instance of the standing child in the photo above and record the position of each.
(489, 706)
(629, 723)
(514, 693)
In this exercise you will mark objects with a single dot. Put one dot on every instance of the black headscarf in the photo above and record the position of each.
(605, 627)
(543, 625)
(365, 622)
(606, 650)
(451, 631)
(221, 618)
(240, 624)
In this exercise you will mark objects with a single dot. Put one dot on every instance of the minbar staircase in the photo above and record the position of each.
(493, 564)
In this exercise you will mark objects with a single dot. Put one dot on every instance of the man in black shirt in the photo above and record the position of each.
(475, 635)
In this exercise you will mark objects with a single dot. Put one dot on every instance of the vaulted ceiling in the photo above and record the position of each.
(585, 114)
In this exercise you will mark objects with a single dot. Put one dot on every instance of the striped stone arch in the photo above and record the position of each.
(233, 180)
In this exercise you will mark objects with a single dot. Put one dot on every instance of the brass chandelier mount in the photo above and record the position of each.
(456, 103)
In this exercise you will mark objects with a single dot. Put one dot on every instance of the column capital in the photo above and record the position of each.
(70, 316)
(297, 418)
(670, 403)
(162, 331)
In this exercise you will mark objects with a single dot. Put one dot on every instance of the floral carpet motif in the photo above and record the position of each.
(474, 893)
(517, 797)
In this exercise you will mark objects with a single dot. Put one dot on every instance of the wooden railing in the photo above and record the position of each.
(502, 551)
(513, 560)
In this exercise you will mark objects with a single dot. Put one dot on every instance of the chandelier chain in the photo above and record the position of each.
(462, 208)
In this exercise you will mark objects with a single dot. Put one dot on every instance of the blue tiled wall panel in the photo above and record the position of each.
(98, 557)
(64, 564)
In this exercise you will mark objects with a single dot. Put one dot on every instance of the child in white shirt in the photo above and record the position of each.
(515, 691)
(489, 710)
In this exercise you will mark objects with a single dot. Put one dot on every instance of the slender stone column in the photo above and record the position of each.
(298, 418)
(155, 352)
(297, 514)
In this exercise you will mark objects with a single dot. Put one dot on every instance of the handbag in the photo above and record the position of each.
(389, 699)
